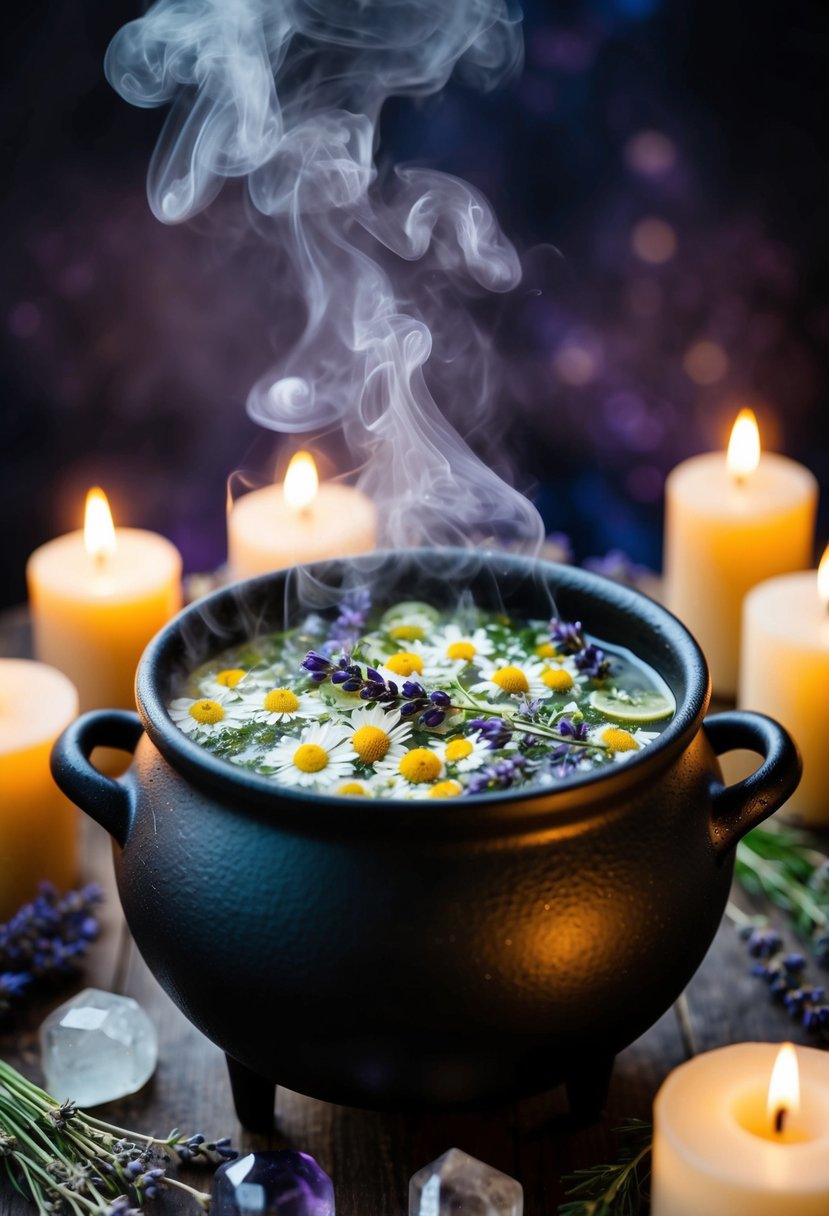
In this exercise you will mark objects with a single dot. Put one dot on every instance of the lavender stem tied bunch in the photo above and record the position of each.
(69, 1162)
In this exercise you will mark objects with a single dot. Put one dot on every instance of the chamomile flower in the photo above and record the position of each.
(623, 743)
(518, 680)
(417, 766)
(321, 756)
(208, 715)
(352, 788)
(378, 735)
(272, 705)
(451, 649)
(463, 753)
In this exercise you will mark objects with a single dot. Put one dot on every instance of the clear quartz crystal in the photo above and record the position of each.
(96, 1047)
(457, 1183)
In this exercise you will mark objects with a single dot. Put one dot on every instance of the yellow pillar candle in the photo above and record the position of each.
(731, 522)
(784, 672)
(37, 823)
(97, 597)
(743, 1131)
(299, 521)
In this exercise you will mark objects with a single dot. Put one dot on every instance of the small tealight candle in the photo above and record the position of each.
(784, 672)
(743, 1131)
(97, 597)
(298, 521)
(732, 520)
(37, 823)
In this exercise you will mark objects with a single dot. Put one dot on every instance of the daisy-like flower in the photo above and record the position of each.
(208, 714)
(524, 679)
(623, 743)
(452, 649)
(418, 766)
(352, 789)
(321, 756)
(378, 735)
(272, 705)
(464, 752)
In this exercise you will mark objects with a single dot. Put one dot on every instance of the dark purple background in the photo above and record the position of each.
(127, 348)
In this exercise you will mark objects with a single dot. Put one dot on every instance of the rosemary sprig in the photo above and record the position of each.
(67, 1161)
(617, 1189)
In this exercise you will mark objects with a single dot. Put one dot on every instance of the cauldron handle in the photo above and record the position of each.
(108, 801)
(740, 807)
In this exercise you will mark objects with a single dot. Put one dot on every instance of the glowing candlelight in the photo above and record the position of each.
(732, 521)
(297, 521)
(727, 1140)
(784, 671)
(97, 597)
(743, 455)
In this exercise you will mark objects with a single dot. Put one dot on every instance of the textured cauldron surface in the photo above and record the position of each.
(397, 953)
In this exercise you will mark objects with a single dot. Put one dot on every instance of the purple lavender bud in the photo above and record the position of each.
(351, 685)
(374, 676)
(409, 709)
(432, 717)
(339, 677)
(763, 943)
(314, 661)
(794, 963)
(412, 689)
(440, 698)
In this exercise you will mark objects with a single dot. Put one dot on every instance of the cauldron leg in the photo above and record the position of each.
(587, 1089)
(253, 1097)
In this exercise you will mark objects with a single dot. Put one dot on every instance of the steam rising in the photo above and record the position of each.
(287, 94)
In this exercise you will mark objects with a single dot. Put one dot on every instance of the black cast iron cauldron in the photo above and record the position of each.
(399, 954)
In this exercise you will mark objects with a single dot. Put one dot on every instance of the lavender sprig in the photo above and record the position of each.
(66, 1160)
(569, 637)
(46, 940)
(412, 699)
(785, 974)
(498, 776)
(350, 624)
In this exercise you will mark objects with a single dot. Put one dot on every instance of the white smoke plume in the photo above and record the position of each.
(287, 94)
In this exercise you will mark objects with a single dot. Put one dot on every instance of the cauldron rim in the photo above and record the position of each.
(203, 620)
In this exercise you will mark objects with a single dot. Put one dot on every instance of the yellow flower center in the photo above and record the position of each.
(404, 663)
(458, 749)
(619, 740)
(281, 701)
(231, 677)
(207, 712)
(370, 743)
(511, 679)
(446, 789)
(546, 650)
(558, 679)
(419, 765)
(310, 758)
(406, 633)
(461, 650)
(352, 789)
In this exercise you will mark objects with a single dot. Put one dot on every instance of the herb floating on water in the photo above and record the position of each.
(68, 1162)
(416, 704)
(619, 1189)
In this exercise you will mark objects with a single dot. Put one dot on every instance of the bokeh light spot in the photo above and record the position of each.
(654, 241)
(24, 319)
(650, 154)
(705, 362)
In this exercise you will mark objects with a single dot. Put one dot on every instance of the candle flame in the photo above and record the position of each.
(743, 446)
(98, 530)
(823, 578)
(301, 482)
(784, 1088)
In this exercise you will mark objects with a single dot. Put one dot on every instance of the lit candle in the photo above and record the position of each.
(97, 597)
(784, 671)
(732, 521)
(299, 521)
(37, 823)
(738, 1133)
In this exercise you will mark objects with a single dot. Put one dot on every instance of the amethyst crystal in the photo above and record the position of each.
(285, 1183)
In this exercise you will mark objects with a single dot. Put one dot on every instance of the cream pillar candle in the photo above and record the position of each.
(97, 597)
(724, 1144)
(300, 521)
(729, 526)
(37, 823)
(784, 672)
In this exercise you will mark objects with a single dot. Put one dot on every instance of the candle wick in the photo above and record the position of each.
(780, 1119)
(101, 559)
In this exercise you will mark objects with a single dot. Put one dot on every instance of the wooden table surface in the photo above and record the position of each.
(369, 1156)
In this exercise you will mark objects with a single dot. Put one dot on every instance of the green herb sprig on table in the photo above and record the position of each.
(782, 865)
(618, 1189)
(68, 1162)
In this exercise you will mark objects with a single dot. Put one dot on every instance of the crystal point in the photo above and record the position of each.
(96, 1047)
(284, 1183)
(457, 1183)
